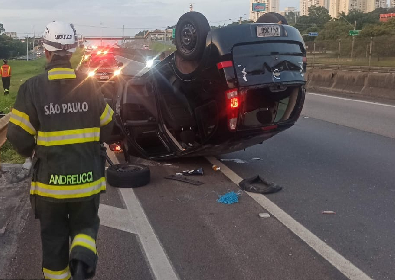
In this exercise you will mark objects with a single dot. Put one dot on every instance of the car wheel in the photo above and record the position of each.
(191, 33)
(128, 175)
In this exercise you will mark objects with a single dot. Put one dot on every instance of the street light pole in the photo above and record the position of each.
(27, 48)
(101, 34)
(123, 35)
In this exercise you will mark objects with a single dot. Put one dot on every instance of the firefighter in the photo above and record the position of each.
(61, 117)
(6, 76)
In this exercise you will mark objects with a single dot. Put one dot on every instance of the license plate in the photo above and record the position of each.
(104, 77)
(268, 31)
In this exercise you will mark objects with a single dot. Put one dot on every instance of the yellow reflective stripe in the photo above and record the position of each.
(106, 117)
(58, 275)
(68, 132)
(22, 120)
(85, 241)
(68, 191)
(61, 73)
(67, 137)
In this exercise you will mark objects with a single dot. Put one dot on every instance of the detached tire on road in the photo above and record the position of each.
(128, 175)
(191, 34)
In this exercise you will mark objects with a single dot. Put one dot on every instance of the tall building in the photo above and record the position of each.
(306, 4)
(338, 6)
(270, 5)
(377, 4)
(392, 3)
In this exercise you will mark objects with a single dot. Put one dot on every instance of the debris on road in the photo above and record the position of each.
(229, 198)
(193, 172)
(235, 160)
(184, 179)
(256, 158)
(329, 212)
(216, 168)
(258, 185)
(264, 215)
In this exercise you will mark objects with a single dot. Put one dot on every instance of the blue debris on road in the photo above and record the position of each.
(229, 198)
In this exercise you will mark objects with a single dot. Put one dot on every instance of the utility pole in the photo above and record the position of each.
(353, 41)
(123, 35)
(101, 34)
(27, 48)
(370, 52)
(34, 39)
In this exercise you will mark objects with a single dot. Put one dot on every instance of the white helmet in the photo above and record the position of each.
(60, 36)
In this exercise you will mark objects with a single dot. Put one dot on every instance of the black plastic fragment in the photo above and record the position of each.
(184, 179)
(258, 185)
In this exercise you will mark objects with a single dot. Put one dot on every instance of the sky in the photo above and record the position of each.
(106, 17)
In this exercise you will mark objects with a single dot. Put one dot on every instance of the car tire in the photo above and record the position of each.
(191, 33)
(128, 175)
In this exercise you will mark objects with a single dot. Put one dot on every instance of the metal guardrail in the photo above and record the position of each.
(3, 128)
(353, 68)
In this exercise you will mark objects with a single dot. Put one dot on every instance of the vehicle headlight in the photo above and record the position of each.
(91, 73)
(117, 72)
(149, 63)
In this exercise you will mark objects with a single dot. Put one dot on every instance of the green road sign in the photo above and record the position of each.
(174, 33)
(354, 32)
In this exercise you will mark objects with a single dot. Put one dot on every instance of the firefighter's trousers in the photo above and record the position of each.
(6, 84)
(68, 233)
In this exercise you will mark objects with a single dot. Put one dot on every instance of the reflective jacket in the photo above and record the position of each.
(5, 71)
(62, 117)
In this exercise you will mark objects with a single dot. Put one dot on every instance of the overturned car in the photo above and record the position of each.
(223, 90)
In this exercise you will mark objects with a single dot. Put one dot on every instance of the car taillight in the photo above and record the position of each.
(232, 108)
(115, 148)
(224, 64)
(304, 59)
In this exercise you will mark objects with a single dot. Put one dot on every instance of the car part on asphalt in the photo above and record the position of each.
(258, 185)
(229, 198)
(128, 175)
(191, 33)
(193, 172)
(216, 168)
(264, 215)
(329, 212)
(184, 179)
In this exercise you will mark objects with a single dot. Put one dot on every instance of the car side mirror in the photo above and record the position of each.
(120, 64)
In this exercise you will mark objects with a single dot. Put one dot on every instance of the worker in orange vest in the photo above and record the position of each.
(6, 76)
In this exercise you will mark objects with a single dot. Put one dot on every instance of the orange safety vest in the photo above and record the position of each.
(5, 71)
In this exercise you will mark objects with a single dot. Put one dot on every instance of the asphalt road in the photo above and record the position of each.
(340, 157)
(131, 67)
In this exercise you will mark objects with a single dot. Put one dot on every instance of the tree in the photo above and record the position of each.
(319, 15)
(317, 18)
(333, 30)
(10, 47)
(291, 18)
(1, 28)
(379, 29)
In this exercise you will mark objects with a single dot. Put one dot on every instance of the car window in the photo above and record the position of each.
(268, 49)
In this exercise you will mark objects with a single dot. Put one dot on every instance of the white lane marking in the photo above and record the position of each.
(354, 100)
(157, 258)
(337, 260)
(117, 218)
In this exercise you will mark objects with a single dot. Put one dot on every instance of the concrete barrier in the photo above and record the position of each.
(337, 82)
